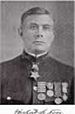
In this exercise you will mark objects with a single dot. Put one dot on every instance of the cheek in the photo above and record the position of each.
(49, 36)
(28, 36)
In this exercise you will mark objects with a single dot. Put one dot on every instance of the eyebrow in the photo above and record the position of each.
(33, 24)
(46, 25)
(42, 24)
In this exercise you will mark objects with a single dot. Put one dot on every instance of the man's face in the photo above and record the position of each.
(37, 33)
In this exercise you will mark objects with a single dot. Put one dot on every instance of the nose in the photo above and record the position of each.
(39, 33)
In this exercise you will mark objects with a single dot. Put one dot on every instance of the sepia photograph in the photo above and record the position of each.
(37, 53)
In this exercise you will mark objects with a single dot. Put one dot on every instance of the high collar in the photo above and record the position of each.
(33, 58)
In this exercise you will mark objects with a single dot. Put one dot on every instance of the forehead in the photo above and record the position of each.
(39, 19)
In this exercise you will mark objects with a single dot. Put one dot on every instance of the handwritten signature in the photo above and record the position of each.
(36, 111)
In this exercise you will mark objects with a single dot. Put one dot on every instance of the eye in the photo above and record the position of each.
(33, 26)
(47, 27)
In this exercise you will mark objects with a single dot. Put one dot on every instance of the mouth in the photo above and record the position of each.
(38, 42)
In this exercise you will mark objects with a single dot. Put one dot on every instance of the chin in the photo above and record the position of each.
(39, 50)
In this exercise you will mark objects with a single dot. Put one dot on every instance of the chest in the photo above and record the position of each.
(53, 85)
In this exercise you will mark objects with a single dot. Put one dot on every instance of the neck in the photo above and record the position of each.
(37, 54)
(33, 58)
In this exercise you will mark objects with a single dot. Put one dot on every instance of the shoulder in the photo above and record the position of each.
(8, 67)
(11, 61)
(58, 64)
(60, 69)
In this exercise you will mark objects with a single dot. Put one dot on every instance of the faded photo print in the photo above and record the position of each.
(37, 52)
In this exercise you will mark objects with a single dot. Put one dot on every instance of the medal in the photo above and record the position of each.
(65, 97)
(65, 84)
(35, 75)
(41, 86)
(35, 67)
(64, 87)
(57, 87)
(50, 93)
(41, 96)
(58, 100)
(34, 72)
(50, 85)
(64, 90)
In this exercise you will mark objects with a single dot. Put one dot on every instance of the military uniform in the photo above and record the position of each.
(27, 80)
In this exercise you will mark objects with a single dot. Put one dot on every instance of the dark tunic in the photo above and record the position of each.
(17, 86)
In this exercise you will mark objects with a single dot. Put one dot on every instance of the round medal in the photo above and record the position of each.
(50, 93)
(58, 100)
(41, 96)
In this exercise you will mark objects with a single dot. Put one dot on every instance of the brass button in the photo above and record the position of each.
(8, 98)
(35, 88)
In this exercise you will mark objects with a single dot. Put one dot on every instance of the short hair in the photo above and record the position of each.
(34, 11)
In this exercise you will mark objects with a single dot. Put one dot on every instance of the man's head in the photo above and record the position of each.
(37, 30)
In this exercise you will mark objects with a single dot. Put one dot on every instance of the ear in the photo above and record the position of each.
(20, 31)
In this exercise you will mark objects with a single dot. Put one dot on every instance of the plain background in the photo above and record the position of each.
(62, 48)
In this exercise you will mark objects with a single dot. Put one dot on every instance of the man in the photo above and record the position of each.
(34, 77)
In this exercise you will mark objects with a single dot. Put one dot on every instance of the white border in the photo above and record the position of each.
(65, 109)
(41, 109)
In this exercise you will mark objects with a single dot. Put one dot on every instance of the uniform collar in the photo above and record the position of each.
(37, 56)
(33, 58)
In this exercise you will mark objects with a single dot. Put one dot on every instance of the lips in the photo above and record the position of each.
(38, 42)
